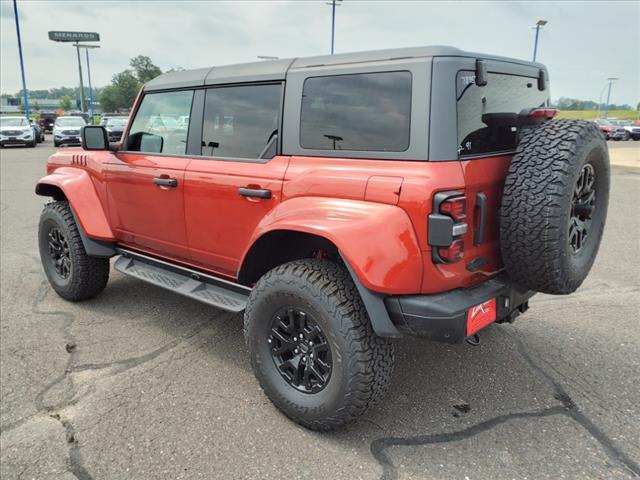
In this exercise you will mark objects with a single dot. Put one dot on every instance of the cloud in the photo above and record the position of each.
(194, 34)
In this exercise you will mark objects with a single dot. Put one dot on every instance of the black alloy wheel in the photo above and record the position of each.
(583, 206)
(300, 350)
(59, 253)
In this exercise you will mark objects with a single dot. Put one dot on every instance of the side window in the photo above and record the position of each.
(159, 125)
(366, 111)
(488, 115)
(240, 121)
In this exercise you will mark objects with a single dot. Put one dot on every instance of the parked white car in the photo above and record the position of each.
(16, 131)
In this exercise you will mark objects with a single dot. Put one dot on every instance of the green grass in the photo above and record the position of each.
(591, 114)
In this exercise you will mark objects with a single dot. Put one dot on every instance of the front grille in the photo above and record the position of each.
(71, 132)
(636, 130)
(12, 133)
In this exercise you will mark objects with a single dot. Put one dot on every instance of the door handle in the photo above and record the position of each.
(255, 192)
(165, 182)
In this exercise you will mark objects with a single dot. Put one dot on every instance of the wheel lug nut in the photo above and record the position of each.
(295, 351)
(311, 355)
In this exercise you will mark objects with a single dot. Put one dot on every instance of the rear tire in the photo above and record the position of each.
(320, 300)
(554, 205)
(72, 273)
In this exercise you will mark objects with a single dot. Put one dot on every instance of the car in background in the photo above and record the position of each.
(104, 118)
(632, 131)
(115, 127)
(85, 116)
(183, 121)
(16, 131)
(67, 130)
(611, 131)
(38, 132)
(46, 120)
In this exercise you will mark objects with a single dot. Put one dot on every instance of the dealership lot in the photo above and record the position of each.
(141, 383)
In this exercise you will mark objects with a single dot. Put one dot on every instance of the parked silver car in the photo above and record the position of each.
(67, 130)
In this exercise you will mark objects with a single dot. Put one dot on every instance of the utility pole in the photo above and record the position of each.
(606, 106)
(24, 82)
(334, 4)
(77, 45)
(540, 23)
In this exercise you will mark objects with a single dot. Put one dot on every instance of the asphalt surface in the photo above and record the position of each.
(143, 384)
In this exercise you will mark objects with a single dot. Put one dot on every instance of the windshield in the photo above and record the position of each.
(70, 122)
(117, 122)
(13, 122)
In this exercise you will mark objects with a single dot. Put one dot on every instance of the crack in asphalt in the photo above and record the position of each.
(567, 408)
(76, 463)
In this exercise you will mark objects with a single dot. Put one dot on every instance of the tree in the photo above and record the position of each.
(65, 103)
(122, 92)
(144, 68)
(108, 99)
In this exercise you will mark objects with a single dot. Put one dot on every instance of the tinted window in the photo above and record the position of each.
(155, 128)
(240, 121)
(368, 111)
(488, 116)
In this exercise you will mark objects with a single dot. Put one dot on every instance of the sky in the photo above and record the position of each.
(584, 43)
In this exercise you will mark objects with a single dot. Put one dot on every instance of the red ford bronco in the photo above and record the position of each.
(339, 201)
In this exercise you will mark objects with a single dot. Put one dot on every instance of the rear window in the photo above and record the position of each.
(365, 111)
(487, 116)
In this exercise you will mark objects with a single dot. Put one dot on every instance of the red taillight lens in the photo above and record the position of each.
(455, 207)
(543, 112)
(452, 253)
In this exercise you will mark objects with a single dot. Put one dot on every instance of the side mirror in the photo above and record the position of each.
(95, 137)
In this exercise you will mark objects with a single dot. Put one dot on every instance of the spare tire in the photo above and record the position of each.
(554, 205)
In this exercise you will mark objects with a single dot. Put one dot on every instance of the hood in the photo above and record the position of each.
(24, 128)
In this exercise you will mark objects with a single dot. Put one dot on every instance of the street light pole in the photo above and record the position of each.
(77, 45)
(540, 23)
(90, 88)
(606, 106)
(24, 82)
(333, 4)
(87, 47)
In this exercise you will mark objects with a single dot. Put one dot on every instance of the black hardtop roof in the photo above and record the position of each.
(274, 70)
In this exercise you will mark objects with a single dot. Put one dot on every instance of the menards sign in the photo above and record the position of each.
(74, 36)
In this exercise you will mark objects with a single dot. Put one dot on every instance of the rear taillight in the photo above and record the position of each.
(452, 253)
(447, 227)
(543, 112)
(455, 207)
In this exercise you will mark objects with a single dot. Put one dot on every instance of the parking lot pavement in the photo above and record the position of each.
(140, 383)
(624, 154)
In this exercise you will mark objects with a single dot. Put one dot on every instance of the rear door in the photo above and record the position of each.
(487, 135)
(237, 179)
(145, 181)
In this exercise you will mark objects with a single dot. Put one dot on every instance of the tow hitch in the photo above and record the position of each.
(473, 340)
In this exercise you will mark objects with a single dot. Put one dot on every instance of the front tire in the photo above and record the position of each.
(312, 346)
(72, 273)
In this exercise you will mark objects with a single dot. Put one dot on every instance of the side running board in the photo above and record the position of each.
(190, 283)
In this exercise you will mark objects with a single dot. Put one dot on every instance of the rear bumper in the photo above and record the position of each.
(443, 317)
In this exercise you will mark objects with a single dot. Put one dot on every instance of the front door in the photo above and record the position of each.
(238, 179)
(145, 183)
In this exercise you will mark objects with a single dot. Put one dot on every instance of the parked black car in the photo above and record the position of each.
(115, 127)
(38, 132)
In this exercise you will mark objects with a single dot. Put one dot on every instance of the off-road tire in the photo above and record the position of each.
(88, 275)
(362, 361)
(536, 208)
